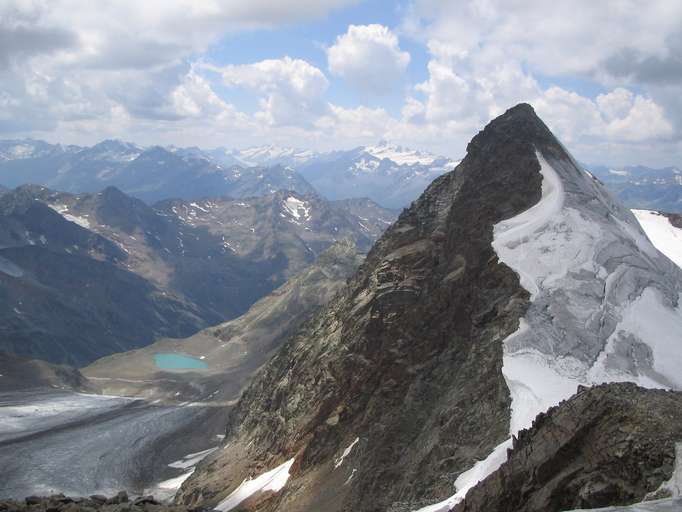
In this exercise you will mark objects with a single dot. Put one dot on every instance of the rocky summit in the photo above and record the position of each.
(510, 282)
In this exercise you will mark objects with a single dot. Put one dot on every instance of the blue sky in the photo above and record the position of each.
(605, 76)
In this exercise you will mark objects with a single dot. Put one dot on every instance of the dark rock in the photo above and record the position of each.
(145, 500)
(613, 444)
(99, 499)
(121, 497)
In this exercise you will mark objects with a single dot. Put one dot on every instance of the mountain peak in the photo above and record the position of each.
(519, 124)
(513, 280)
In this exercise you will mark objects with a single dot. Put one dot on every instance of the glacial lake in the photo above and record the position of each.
(174, 361)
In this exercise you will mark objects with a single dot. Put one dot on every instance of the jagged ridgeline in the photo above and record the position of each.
(511, 281)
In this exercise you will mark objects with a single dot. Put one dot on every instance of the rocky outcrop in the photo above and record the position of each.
(61, 503)
(614, 444)
(395, 388)
(675, 219)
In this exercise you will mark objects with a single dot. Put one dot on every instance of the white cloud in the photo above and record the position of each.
(554, 37)
(360, 124)
(293, 88)
(641, 120)
(77, 71)
(64, 61)
(485, 56)
(368, 57)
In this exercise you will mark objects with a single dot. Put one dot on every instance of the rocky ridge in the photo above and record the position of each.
(185, 264)
(613, 444)
(407, 359)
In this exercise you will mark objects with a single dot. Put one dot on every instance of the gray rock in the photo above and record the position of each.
(613, 444)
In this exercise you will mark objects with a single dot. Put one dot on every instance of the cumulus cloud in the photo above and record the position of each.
(63, 61)
(557, 38)
(78, 70)
(368, 57)
(487, 56)
(293, 88)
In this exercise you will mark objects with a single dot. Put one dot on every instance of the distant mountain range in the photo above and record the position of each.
(150, 174)
(643, 187)
(390, 175)
(85, 275)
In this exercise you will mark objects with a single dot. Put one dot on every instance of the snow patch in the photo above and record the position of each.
(173, 484)
(274, 480)
(62, 209)
(298, 209)
(191, 459)
(665, 237)
(345, 453)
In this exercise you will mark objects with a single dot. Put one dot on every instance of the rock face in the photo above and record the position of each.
(613, 444)
(407, 359)
(510, 282)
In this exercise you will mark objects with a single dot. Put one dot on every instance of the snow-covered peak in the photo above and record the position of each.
(24, 149)
(593, 275)
(401, 155)
(114, 150)
(272, 155)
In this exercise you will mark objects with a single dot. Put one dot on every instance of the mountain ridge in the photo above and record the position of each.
(401, 385)
(181, 265)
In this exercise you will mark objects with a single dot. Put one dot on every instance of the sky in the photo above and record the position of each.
(606, 76)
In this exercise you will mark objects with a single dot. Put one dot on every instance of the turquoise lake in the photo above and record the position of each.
(171, 361)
